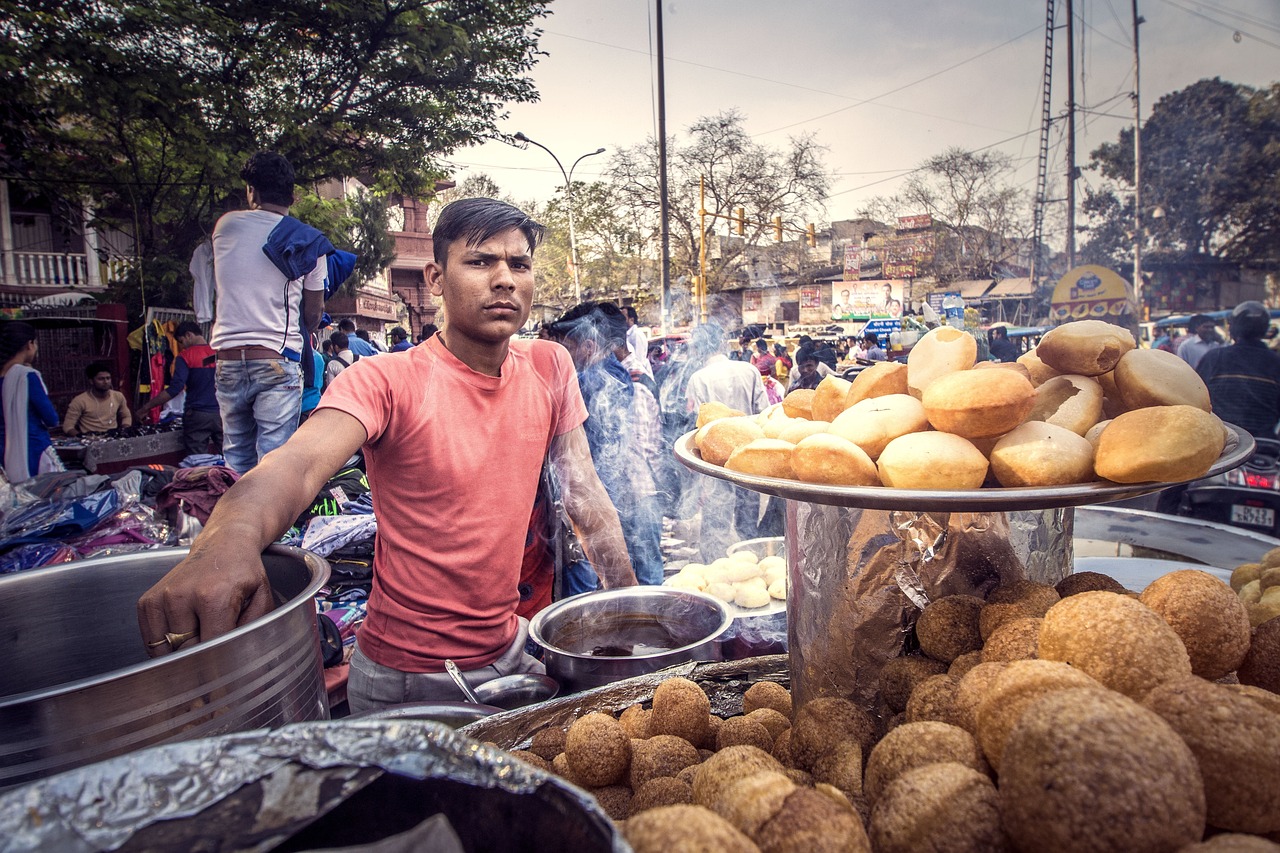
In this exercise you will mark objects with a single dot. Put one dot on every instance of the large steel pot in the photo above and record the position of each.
(78, 686)
(597, 638)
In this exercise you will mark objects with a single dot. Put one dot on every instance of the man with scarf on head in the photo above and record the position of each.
(591, 332)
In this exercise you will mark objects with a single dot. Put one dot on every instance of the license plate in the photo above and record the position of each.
(1257, 516)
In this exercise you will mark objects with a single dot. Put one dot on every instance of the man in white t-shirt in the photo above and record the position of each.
(256, 331)
(637, 344)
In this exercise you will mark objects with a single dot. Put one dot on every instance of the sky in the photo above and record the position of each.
(882, 86)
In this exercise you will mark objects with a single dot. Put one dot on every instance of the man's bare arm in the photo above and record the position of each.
(592, 513)
(312, 307)
(222, 583)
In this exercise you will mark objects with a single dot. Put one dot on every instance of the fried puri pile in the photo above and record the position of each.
(1084, 406)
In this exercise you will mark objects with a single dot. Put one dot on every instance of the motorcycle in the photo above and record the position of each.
(1247, 496)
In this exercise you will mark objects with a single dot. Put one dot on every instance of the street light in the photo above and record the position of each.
(568, 190)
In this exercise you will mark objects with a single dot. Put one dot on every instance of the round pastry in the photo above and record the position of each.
(932, 460)
(1071, 401)
(1095, 433)
(832, 460)
(872, 424)
(1161, 444)
(799, 404)
(829, 398)
(764, 457)
(714, 410)
(1040, 372)
(943, 350)
(1112, 403)
(1153, 377)
(878, 380)
(978, 403)
(718, 439)
(798, 429)
(1087, 347)
(1041, 454)
(1020, 369)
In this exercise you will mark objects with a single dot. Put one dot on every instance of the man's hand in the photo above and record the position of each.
(594, 518)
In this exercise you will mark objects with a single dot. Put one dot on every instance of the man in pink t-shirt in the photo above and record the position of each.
(455, 431)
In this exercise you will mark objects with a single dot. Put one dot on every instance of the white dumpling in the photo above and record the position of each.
(778, 589)
(722, 591)
(751, 595)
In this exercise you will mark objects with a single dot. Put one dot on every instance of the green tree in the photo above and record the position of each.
(147, 108)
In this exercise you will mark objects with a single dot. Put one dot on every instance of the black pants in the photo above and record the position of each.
(199, 430)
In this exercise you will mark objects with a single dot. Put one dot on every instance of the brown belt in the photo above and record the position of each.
(251, 352)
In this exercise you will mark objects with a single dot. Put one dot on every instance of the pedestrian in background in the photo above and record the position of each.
(1244, 378)
(1204, 340)
(358, 345)
(194, 373)
(28, 412)
(399, 340)
(100, 408)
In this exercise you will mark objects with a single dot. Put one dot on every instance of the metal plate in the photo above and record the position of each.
(1239, 447)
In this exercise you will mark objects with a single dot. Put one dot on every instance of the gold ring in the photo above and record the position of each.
(175, 640)
(157, 643)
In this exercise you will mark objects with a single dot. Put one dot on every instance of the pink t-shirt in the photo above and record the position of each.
(453, 457)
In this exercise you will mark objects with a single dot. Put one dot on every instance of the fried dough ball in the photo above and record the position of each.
(738, 731)
(1036, 597)
(721, 437)
(1087, 347)
(1265, 698)
(560, 766)
(767, 694)
(960, 666)
(933, 699)
(1237, 748)
(663, 791)
(687, 775)
(900, 676)
(774, 722)
(993, 615)
(810, 822)
(1244, 573)
(799, 404)
(1264, 610)
(841, 767)
(715, 410)
(913, 745)
(948, 627)
(970, 692)
(1160, 443)
(1232, 842)
(1261, 666)
(681, 827)
(1207, 615)
(548, 742)
(937, 808)
(801, 777)
(828, 398)
(1271, 558)
(1116, 639)
(635, 720)
(726, 767)
(660, 755)
(879, 380)
(598, 749)
(614, 800)
(752, 802)
(681, 708)
(1079, 582)
(532, 758)
(1270, 577)
(822, 723)
(1012, 692)
(1016, 640)
(782, 749)
(1055, 793)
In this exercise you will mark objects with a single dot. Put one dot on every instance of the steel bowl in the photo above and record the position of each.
(516, 691)
(455, 715)
(758, 630)
(600, 637)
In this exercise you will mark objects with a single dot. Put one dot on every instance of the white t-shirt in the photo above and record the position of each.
(256, 304)
(638, 344)
(735, 383)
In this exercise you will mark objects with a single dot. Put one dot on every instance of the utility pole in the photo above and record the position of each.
(1137, 167)
(1071, 137)
(664, 206)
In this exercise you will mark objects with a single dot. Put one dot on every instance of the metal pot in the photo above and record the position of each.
(597, 638)
(78, 686)
(516, 691)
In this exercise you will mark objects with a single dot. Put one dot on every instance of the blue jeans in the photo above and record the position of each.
(260, 401)
(642, 530)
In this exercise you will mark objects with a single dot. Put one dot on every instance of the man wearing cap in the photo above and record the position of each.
(399, 340)
(1203, 339)
(1244, 378)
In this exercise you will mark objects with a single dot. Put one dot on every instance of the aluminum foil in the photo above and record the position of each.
(253, 790)
(859, 579)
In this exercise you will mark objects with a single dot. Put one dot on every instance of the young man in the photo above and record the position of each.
(100, 408)
(399, 340)
(359, 345)
(1244, 378)
(343, 357)
(806, 375)
(454, 435)
(1203, 340)
(637, 344)
(193, 372)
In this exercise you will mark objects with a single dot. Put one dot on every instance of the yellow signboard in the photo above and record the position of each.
(1091, 293)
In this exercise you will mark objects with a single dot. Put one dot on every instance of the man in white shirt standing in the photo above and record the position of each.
(256, 333)
(1204, 338)
(637, 344)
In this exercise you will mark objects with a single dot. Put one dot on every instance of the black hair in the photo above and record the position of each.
(271, 175)
(762, 345)
(474, 220)
(363, 334)
(340, 340)
(602, 322)
(428, 329)
(631, 313)
(705, 341)
(1197, 320)
(187, 327)
(14, 336)
(806, 357)
(1249, 327)
(346, 324)
(398, 332)
(93, 368)
(872, 337)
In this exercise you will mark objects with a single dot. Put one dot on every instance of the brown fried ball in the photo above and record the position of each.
(687, 775)
(1036, 597)
(533, 759)
(1261, 665)
(660, 755)
(738, 731)
(598, 749)
(752, 802)
(812, 823)
(1270, 577)
(1079, 582)
(822, 723)
(1116, 639)
(1244, 573)
(560, 766)
(803, 778)
(663, 791)
(614, 800)
(960, 666)
(692, 828)
(635, 719)
(774, 721)
(937, 808)
(913, 745)
(720, 771)
(681, 708)
(841, 767)
(1237, 748)
(767, 694)
(1012, 692)
(1016, 640)
(1207, 615)
(713, 730)
(1265, 698)
(948, 627)
(899, 676)
(993, 615)
(548, 742)
(1233, 842)
(1271, 558)
(933, 699)
(970, 692)
(1056, 792)
(782, 749)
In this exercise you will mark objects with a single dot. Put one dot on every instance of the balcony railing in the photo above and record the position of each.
(57, 270)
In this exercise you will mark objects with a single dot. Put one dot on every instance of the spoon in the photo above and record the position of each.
(456, 674)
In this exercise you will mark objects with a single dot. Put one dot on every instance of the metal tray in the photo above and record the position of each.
(1239, 447)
